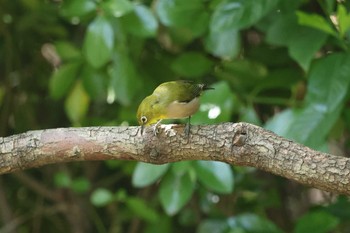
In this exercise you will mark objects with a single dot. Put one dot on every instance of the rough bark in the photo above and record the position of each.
(236, 144)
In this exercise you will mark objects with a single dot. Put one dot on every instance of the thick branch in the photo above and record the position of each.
(237, 144)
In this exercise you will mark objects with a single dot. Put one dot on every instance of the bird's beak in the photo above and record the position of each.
(142, 127)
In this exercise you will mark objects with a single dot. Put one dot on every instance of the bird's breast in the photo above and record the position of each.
(177, 109)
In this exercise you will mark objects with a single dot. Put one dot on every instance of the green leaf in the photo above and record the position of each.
(101, 197)
(316, 222)
(141, 22)
(77, 8)
(81, 185)
(62, 79)
(216, 105)
(282, 122)
(146, 174)
(77, 103)
(121, 195)
(124, 81)
(340, 208)
(164, 224)
(184, 14)
(329, 6)
(283, 78)
(343, 20)
(67, 51)
(315, 21)
(192, 64)
(213, 226)
(99, 42)
(249, 115)
(329, 80)
(239, 14)
(95, 83)
(216, 176)
(180, 168)
(175, 191)
(118, 8)
(253, 224)
(328, 84)
(302, 42)
(2, 94)
(140, 209)
(243, 223)
(62, 180)
(243, 75)
(225, 44)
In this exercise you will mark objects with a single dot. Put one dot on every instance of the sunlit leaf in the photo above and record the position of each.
(315, 21)
(77, 103)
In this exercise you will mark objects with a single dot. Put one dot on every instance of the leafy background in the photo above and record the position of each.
(283, 65)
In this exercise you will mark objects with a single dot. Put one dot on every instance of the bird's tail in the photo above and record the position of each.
(205, 87)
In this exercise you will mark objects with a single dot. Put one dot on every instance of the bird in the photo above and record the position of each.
(171, 100)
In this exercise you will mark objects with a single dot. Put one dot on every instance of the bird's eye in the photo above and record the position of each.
(144, 119)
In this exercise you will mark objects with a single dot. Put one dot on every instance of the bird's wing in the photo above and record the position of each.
(181, 91)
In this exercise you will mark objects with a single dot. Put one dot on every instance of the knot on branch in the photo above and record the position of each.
(240, 136)
(154, 154)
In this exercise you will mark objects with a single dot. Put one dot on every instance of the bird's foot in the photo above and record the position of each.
(188, 127)
(156, 128)
(187, 130)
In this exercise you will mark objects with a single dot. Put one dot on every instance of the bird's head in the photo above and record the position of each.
(148, 112)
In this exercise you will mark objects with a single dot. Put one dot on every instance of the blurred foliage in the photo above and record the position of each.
(283, 65)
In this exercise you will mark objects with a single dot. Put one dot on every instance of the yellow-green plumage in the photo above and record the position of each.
(170, 100)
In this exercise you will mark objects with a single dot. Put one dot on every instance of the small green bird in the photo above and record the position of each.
(171, 100)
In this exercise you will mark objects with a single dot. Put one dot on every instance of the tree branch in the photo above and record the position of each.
(236, 144)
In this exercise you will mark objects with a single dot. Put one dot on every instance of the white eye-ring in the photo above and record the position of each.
(144, 119)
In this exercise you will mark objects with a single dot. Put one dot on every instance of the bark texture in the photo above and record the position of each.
(233, 143)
